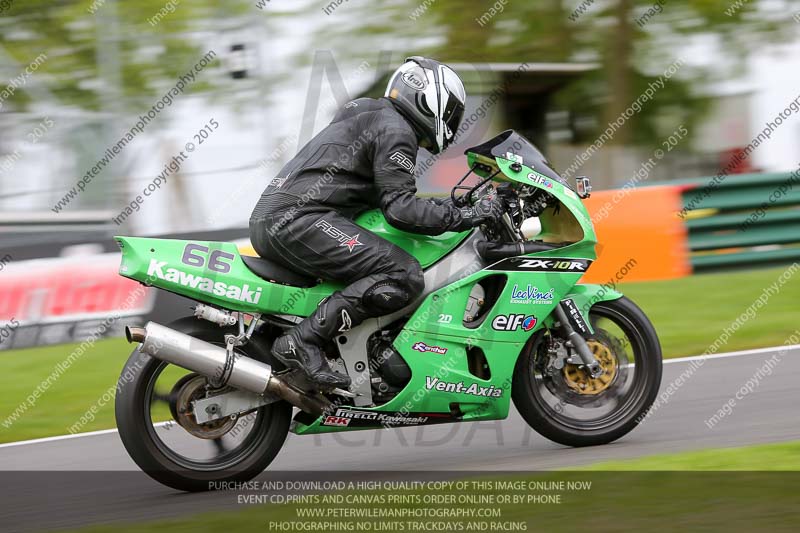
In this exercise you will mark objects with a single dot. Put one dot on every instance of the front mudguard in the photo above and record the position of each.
(583, 298)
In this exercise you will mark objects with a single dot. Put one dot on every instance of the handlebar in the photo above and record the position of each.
(495, 251)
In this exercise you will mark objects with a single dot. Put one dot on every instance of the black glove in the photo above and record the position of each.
(488, 209)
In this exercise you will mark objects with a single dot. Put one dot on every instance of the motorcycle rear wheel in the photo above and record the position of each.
(143, 437)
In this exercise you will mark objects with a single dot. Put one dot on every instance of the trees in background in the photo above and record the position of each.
(634, 41)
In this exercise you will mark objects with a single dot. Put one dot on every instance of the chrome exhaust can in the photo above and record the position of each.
(214, 362)
(202, 357)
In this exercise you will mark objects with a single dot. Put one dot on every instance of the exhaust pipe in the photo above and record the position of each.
(214, 362)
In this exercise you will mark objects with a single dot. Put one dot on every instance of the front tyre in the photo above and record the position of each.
(563, 403)
(152, 395)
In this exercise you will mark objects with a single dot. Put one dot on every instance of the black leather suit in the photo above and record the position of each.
(363, 159)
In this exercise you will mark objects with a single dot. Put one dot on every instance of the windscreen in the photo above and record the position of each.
(511, 145)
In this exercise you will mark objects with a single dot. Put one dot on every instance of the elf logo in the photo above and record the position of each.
(540, 180)
(514, 322)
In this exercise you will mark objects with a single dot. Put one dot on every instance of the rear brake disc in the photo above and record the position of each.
(191, 390)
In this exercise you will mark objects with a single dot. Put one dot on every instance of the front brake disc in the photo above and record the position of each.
(581, 382)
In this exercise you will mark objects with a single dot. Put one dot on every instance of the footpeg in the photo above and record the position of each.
(342, 392)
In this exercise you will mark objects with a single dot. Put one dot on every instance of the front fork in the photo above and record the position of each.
(576, 341)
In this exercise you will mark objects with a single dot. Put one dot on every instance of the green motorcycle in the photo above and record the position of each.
(502, 317)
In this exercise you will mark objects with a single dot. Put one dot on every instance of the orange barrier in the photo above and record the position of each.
(640, 237)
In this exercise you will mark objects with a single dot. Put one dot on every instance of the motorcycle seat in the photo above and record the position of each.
(271, 271)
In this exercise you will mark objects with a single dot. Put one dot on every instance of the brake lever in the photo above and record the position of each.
(512, 228)
(508, 200)
(462, 200)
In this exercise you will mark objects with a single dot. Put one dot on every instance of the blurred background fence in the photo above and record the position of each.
(745, 221)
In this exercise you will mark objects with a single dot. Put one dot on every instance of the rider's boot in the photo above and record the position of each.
(300, 347)
(294, 352)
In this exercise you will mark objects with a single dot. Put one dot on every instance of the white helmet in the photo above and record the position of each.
(431, 96)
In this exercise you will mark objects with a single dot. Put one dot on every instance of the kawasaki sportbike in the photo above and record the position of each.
(502, 318)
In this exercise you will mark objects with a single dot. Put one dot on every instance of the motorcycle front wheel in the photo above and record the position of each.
(563, 403)
(157, 428)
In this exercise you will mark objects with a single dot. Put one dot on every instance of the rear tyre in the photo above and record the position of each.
(568, 407)
(144, 438)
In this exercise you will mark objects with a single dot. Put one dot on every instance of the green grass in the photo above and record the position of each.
(67, 399)
(689, 314)
(783, 456)
(636, 500)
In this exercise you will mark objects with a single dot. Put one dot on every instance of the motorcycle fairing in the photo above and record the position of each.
(435, 340)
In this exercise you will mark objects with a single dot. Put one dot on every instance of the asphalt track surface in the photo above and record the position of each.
(64, 483)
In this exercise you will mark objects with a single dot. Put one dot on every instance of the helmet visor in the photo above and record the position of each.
(456, 99)
(453, 114)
